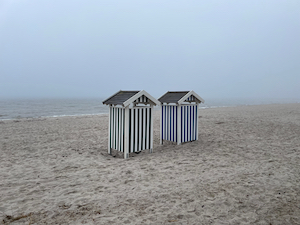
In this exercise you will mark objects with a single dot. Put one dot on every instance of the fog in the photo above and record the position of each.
(220, 49)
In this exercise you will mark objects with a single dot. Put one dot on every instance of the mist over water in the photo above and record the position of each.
(36, 108)
(227, 102)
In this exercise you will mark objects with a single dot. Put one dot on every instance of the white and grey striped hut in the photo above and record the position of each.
(130, 121)
(179, 116)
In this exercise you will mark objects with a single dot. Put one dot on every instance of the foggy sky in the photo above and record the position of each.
(93, 48)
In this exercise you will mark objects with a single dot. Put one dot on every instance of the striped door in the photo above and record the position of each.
(117, 128)
(179, 125)
(169, 122)
(189, 123)
(140, 129)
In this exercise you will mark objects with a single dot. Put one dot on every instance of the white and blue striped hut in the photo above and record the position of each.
(179, 116)
(130, 121)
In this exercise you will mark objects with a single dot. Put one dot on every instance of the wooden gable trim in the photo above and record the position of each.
(201, 100)
(138, 95)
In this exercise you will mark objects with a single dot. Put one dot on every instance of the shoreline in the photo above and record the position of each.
(244, 169)
(155, 108)
(55, 116)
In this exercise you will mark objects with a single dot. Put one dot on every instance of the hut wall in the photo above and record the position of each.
(179, 123)
(139, 129)
(169, 118)
(189, 123)
(117, 128)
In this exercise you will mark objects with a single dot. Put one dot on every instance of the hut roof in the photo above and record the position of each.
(125, 98)
(179, 97)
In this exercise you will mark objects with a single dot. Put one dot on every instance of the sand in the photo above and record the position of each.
(244, 169)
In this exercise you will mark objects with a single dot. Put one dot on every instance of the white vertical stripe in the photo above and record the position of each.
(114, 128)
(174, 124)
(151, 127)
(118, 129)
(171, 124)
(140, 129)
(136, 130)
(178, 125)
(114, 134)
(111, 127)
(144, 128)
(183, 124)
(109, 131)
(161, 125)
(148, 130)
(165, 122)
(197, 122)
(126, 131)
(121, 131)
(194, 122)
(189, 122)
(115, 124)
(172, 121)
(168, 123)
(131, 131)
(186, 124)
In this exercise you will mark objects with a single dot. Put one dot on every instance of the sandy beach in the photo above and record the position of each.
(244, 169)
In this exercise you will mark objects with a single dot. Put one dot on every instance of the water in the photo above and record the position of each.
(36, 108)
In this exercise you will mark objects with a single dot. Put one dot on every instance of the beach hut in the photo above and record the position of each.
(179, 116)
(130, 121)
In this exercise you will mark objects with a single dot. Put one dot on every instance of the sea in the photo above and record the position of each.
(11, 109)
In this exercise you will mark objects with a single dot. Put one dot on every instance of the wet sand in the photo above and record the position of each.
(244, 169)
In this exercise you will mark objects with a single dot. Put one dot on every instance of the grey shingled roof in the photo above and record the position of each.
(172, 96)
(120, 97)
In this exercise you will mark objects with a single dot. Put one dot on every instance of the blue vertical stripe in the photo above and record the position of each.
(176, 126)
(187, 120)
(184, 123)
(196, 133)
(193, 122)
(162, 122)
(190, 123)
(169, 123)
(173, 124)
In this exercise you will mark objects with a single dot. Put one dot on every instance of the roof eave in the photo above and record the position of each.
(103, 102)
